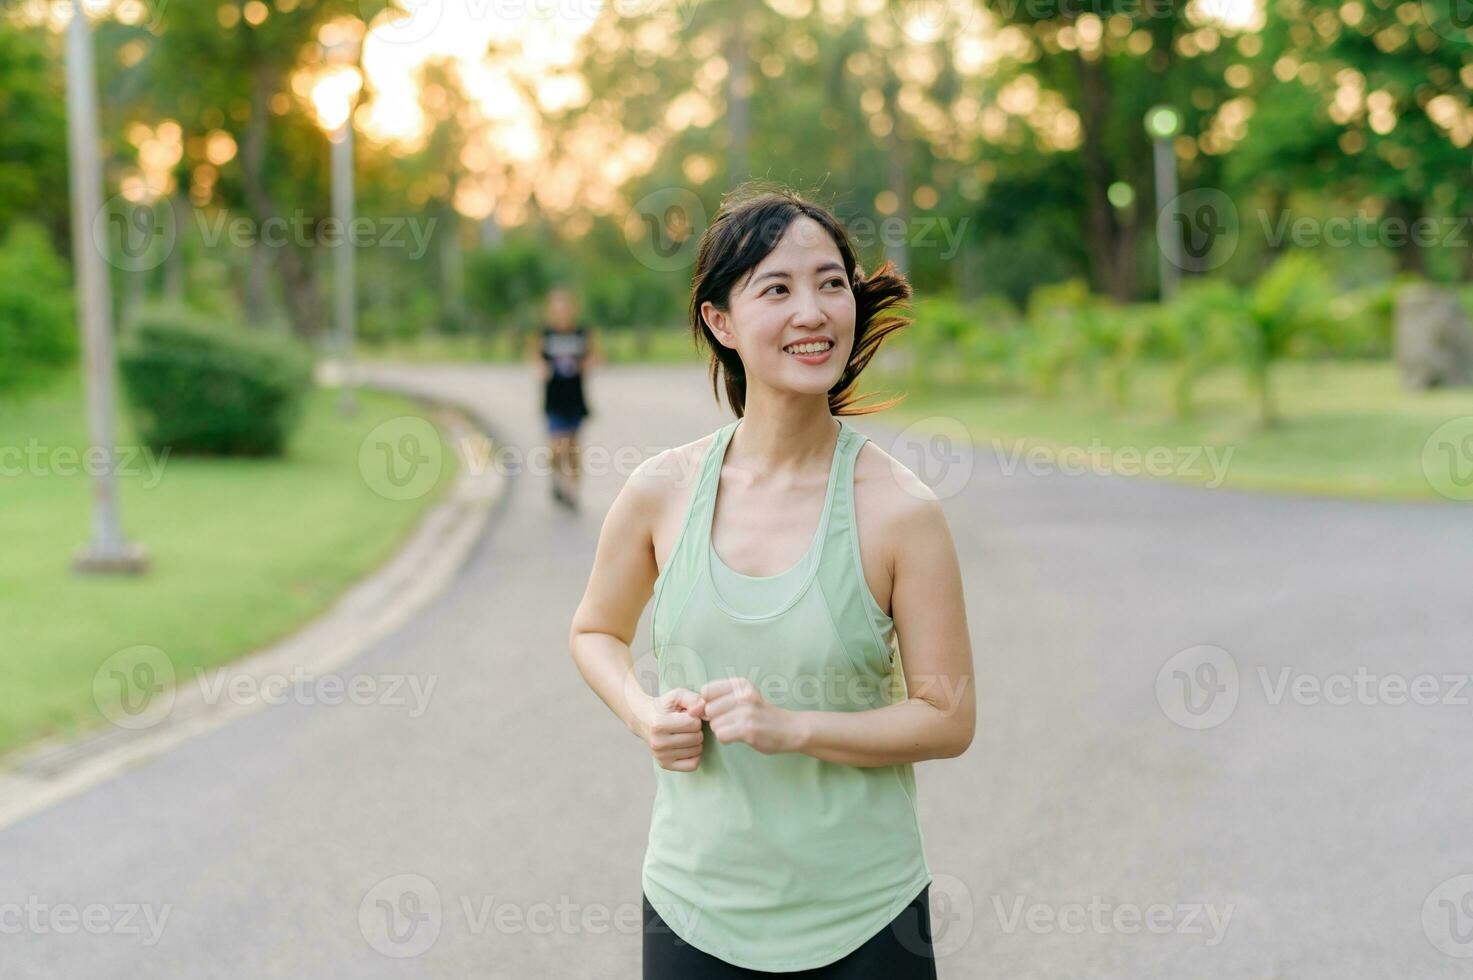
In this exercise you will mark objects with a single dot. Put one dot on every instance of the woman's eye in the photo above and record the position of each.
(776, 285)
(835, 280)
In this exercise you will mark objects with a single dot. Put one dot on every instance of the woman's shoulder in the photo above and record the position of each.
(668, 476)
(888, 494)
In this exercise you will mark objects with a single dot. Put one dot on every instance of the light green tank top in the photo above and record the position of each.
(780, 862)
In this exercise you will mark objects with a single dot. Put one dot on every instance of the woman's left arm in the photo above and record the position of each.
(938, 717)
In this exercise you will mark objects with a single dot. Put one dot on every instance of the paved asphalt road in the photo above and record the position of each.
(1096, 828)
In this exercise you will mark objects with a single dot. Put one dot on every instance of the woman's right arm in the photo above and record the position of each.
(619, 586)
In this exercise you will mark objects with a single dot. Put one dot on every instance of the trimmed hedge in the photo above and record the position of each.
(210, 390)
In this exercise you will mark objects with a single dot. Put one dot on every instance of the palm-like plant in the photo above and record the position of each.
(1289, 304)
(1195, 331)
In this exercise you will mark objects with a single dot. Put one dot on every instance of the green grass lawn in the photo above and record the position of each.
(243, 551)
(1348, 428)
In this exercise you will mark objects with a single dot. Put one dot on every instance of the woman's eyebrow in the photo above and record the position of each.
(784, 274)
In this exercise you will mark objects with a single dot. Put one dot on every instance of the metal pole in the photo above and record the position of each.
(342, 206)
(1170, 261)
(108, 551)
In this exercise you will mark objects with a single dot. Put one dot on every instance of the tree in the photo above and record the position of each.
(1083, 81)
(1367, 102)
(240, 71)
(33, 170)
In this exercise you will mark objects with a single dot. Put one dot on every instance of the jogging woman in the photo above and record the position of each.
(565, 349)
(791, 561)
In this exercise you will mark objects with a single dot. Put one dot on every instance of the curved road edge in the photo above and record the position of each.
(35, 777)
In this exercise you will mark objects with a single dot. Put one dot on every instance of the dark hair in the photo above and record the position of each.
(747, 226)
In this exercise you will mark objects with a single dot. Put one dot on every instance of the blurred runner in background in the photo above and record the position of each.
(566, 349)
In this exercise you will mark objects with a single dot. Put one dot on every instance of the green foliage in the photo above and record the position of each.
(1058, 299)
(635, 297)
(1365, 320)
(381, 324)
(37, 319)
(1285, 311)
(33, 137)
(989, 349)
(506, 283)
(1054, 342)
(1196, 331)
(1114, 337)
(1301, 138)
(210, 389)
(971, 343)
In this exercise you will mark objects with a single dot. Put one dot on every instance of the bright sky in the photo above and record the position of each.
(541, 38)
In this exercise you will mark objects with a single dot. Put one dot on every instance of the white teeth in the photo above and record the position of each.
(817, 347)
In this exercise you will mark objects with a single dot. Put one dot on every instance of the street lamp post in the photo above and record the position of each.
(344, 273)
(334, 96)
(1163, 122)
(108, 551)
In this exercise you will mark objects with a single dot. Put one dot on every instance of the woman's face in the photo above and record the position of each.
(799, 293)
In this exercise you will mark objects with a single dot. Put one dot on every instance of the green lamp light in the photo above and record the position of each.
(1163, 122)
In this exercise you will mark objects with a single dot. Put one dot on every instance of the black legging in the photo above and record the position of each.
(901, 949)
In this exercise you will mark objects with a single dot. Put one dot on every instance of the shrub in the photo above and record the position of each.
(990, 348)
(1114, 337)
(198, 388)
(1196, 331)
(38, 331)
(1288, 309)
(1055, 341)
(940, 321)
(1363, 320)
(505, 284)
(411, 317)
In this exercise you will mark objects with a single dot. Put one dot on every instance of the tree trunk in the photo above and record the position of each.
(1467, 252)
(1410, 256)
(1111, 270)
(255, 303)
(738, 96)
(179, 209)
(897, 159)
(898, 165)
(297, 271)
(452, 270)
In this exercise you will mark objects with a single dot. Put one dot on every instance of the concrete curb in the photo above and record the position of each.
(37, 776)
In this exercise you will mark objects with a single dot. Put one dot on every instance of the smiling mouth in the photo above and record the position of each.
(810, 347)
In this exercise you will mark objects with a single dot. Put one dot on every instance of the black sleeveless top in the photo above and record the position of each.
(565, 350)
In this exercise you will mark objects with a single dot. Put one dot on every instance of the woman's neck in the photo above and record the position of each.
(794, 439)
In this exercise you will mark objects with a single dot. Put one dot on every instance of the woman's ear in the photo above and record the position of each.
(718, 323)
